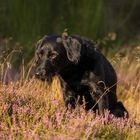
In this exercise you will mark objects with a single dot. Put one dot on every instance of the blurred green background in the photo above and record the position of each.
(28, 20)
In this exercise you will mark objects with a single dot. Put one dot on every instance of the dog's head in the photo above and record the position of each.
(53, 54)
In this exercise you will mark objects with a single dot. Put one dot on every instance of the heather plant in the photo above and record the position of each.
(34, 111)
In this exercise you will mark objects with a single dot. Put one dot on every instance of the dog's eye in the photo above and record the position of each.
(53, 55)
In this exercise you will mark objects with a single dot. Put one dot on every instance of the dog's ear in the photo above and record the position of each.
(73, 48)
(40, 42)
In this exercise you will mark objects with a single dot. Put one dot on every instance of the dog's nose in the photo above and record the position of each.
(37, 74)
(41, 73)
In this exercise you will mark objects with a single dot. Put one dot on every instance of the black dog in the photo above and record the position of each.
(86, 75)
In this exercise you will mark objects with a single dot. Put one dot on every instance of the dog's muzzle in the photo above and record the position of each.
(41, 74)
(44, 77)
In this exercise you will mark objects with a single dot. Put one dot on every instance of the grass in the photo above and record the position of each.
(30, 109)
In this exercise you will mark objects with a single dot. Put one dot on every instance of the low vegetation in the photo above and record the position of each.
(30, 109)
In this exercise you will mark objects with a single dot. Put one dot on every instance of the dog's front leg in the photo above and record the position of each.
(69, 96)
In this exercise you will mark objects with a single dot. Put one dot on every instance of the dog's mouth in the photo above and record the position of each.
(49, 79)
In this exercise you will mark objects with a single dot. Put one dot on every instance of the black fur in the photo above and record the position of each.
(86, 75)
